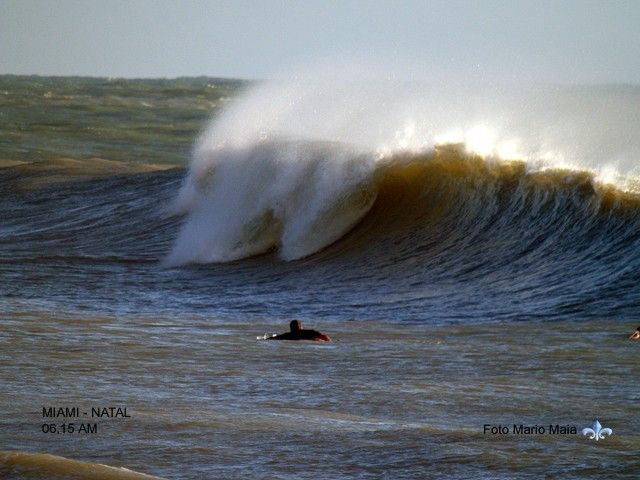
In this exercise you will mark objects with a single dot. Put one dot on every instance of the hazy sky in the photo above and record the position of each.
(559, 40)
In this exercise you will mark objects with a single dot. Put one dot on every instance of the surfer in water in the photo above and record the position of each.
(635, 335)
(296, 332)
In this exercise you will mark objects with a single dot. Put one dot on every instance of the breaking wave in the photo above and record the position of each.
(295, 167)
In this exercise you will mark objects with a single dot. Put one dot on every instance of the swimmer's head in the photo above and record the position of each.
(295, 325)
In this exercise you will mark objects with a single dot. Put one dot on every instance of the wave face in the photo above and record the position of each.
(295, 167)
(446, 217)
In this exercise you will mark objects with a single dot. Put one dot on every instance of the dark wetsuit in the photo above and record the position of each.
(303, 334)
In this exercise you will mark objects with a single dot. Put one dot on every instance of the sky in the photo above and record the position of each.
(557, 41)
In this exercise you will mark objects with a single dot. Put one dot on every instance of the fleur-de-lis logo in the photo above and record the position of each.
(596, 432)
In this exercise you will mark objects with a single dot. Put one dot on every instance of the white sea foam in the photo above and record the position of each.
(298, 196)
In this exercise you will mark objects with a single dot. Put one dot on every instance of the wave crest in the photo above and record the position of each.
(261, 180)
(300, 197)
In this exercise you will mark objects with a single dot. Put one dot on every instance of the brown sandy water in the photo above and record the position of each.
(208, 400)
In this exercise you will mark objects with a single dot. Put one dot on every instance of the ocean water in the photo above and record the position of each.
(473, 251)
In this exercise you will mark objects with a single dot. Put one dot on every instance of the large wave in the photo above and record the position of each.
(443, 231)
(293, 166)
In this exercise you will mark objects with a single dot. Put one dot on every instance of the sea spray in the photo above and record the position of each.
(294, 165)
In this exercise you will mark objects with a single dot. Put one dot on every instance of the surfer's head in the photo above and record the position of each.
(295, 325)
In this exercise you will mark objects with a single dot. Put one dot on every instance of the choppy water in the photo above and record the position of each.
(460, 289)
